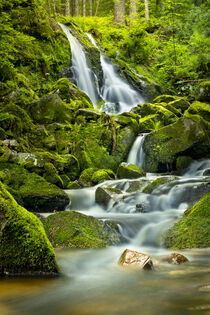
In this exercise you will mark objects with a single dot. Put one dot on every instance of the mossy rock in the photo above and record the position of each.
(161, 147)
(165, 115)
(165, 99)
(127, 170)
(51, 175)
(193, 230)
(103, 195)
(69, 92)
(85, 178)
(180, 104)
(49, 109)
(182, 162)
(203, 92)
(101, 175)
(24, 247)
(33, 191)
(201, 109)
(73, 185)
(76, 230)
(157, 183)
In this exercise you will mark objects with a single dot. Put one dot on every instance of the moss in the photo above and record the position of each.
(24, 247)
(203, 92)
(33, 191)
(182, 162)
(156, 183)
(201, 109)
(164, 115)
(180, 104)
(193, 230)
(126, 170)
(51, 175)
(165, 99)
(102, 175)
(85, 178)
(73, 185)
(76, 230)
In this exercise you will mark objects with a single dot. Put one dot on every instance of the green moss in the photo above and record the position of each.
(193, 230)
(73, 185)
(102, 175)
(180, 104)
(164, 115)
(51, 175)
(182, 162)
(24, 247)
(127, 170)
(201, 109)
(165, 99)
(156, 183)
(32, 191)
(76, 230)
(203, 92)
(85, 178)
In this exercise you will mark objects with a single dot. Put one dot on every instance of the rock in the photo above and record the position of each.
(101, 175)
(76, 230)
(180, 104)
(206, 172)
(73, 185)
(201, 109)
(24, 246)
(203, 92)
(49, 109)
(127, 170)
(193, 230)
(140, 208)
(175, 259)
(161, 147)
(136, 260)
(86, 176)
(182, 162)
(31, 160)
(33, 191)
(11, 143)
(103, 195)
(88, 114)
(156, 183)
(165, 99)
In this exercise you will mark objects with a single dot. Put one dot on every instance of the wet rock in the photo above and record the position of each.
(77, 230)
(102, 175)
(136, 260)
(206, 172)
(103, 195)
(203, 91)
(24, 247)
(140, 208)
(128, 170)
(175, 259)
(11, 143)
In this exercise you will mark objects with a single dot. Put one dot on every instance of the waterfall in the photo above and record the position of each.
(84, 77)
(136, 155)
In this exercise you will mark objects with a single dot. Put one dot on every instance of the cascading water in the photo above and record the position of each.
(84, 77)
(136, 155)
(119, 96)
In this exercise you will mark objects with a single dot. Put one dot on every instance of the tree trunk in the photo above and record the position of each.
(76, 7)
(119, 11)
(146, 9)
(67, 11)
(133, 10)
(97, 6)
(83, 7)
(90, 7)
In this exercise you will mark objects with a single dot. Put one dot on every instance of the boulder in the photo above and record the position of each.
(128, 170)
(135, 260)
(24, 246)
(175, 259)
(103, 195)
(201, 109)
(101, 175)
(161, 147)
(165, 99)
(32, 191)
(180, 104)
(76, 230)
(203, 92)
(157, 183)
(88, 114)
(193, 230)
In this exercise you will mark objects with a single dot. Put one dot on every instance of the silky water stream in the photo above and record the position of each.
(92, 282)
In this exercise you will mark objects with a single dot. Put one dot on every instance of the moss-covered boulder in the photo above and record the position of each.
(203, 92)
(33, 191)
(85, 178)
(24, 247)
(76, 230)
(157, 183)
(69, 93)
(193, 230)
(165, 99)
(182, 162)
(49, 109)
(180, 104)
(128, 170)
(163, 146)
(201, 109)
(101, 175)
(51, 175)
(103, 195)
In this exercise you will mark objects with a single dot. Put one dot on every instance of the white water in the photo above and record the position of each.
(118, 95)
(136, 155)
(84, 77)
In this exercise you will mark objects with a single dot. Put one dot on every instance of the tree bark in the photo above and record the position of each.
(97, 7)
(83, 7)
(76, 7)
(146, 9)
(119, 11)
(90, 7)
(133, 10)
(67, 11)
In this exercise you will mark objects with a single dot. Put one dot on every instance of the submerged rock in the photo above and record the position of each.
(127, 170)
(77, 230)
(175, 259)
(135, 260)
(193, 230)
(24, 247)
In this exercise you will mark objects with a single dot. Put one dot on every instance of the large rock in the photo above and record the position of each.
(24, 247)
(193, 230)
(203, 92)
(128, 170)
(136, 260)
(103, 195)
(175, 259)
(161, 147)
(76, 230)
(32, 191)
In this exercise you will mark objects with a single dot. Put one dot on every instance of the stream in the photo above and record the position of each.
(92, 283)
